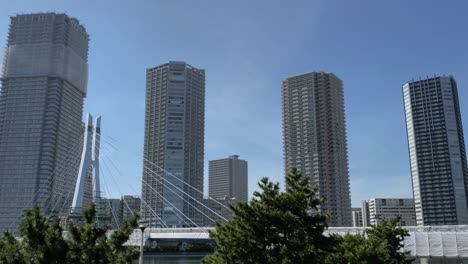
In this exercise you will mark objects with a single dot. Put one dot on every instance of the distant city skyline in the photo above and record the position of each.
(247, 53)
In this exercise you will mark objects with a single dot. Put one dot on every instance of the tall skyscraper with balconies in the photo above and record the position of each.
(437, 151)
(44, 83)
(174, 144)
(314, 138)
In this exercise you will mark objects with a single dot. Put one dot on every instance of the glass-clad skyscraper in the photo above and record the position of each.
(437, 151)
(174, 144)
(44, 82)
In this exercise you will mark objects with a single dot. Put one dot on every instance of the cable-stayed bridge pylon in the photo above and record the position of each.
(89, 162)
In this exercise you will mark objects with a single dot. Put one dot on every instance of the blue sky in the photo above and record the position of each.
(247, 48)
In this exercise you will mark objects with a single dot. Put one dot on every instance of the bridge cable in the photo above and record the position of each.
(50, 181)
(108, 169)
(188, 195)
(147, 168)
(171, 204)
(189, 203)
(172, 175)
(116, 219)
(121, 175)
(102, 157)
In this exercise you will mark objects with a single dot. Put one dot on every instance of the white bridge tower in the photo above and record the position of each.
(89, 160)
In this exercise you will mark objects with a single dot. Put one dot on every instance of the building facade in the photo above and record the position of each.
(356, 217)
(437, 151)
(174, 143)
(216, 210)
(228, 179)
(112, 212)
(227, 184)
(314, 138)
(43, 85)
(108, 212)
(129, 206)
(376, 209)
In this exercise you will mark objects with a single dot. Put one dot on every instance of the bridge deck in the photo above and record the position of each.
(427, 241)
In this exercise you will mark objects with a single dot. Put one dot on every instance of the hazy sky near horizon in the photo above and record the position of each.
(247, 48)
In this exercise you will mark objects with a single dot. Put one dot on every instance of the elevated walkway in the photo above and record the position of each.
(424, 242)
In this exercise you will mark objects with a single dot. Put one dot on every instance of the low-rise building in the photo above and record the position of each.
(108, 212)
(130, 205)
(356, 216)
(376, 209)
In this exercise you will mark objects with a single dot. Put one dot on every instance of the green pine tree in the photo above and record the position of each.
(391, 236)
(285, 227)
(354, 249)
(381, 244)
(44, 243)
(41, 243)
(274, 227)
(89, 244)
(9, 250)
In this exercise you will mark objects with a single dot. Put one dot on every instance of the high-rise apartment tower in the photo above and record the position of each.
(437, 151)
(174, 144)
(228, 179)
(228, 184)
(314, 138)
(44, 83)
